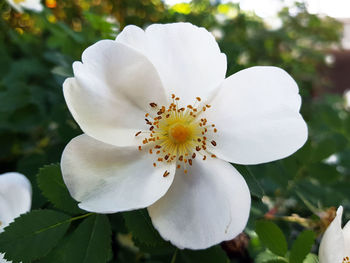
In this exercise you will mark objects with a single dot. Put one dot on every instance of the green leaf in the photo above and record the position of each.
(311, 258)
(253, 184)
(272, 236)
(302, 246)
(53, 188)
(213, 254)
(33, 235)
(89, 243)
(140, 225)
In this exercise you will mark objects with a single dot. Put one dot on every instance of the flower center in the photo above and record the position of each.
(176, 134)
(179, 133)
(346, 260)
(18, 1)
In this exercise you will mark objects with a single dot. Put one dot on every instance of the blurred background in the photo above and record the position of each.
(310, 40)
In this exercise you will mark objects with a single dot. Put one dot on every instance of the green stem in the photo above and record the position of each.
(173, 259)
(80, 217)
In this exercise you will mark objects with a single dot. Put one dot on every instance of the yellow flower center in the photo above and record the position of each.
(18, 1)
(176, 134)
(179, 133)
(346, 260)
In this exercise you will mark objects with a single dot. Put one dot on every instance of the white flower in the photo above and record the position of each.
(335, 244)
(347, 99)
(19, 5)
(173, 78)
(15, 199)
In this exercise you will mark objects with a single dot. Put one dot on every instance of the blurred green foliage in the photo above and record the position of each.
(37, 51)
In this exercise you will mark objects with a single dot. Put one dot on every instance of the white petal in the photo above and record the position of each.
(187, 57)
(256, 112)
(208, 205)
(332, 244)
(346, 234)
(2, 260)
(17, 7)
(109, 179)
(111, 92)
(15, 197)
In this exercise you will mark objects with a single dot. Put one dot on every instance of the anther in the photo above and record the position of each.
(193, 155)
(198, 148)
(166, 173)
(138, 133)
(140, 148)
(190, 161)
(185, 171)
(157, 146)
(215, 130)
(213, 156)
(154, 164)
(181, 158)
(198, 98)
(152, 104)
(204, 157)
(213, 143)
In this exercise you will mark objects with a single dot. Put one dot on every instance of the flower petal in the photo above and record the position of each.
(111, 92)
(208, 205)
(256, 112)
(15, 197)
(109, 179)
(332, 244)
(187, 57)
(346, 234)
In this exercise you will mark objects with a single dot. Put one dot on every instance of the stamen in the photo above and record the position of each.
(175, 134)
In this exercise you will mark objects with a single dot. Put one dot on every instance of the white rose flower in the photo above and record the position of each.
(177, 163)
(19, 5)
(335, 243)
(15, 199)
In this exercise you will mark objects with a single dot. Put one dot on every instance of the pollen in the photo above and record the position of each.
(177, 133)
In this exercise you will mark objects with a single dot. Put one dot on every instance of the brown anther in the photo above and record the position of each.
(166, 173)
(181, 158)
(140, 148)
(199, 140)
(150, 151)
(189, 106)
(198, 148)
(205, 129)
(177, 98)
(160, 159)
(204, 108)
(213, 125)
(158, 152)
(190, 161)
(182, 109)
(138, 133)
(157, 146)
(185, 171)
(148, 122)
(146, 115)
(185, 160)
(151, 128)
(154, 164)
(193, 155)
(213, 143)
(208, 106)
(166, 157)
(213, 156)
(152, 104)
(215, 130)
(167, 116)
(204, 157)
(178, 166)
(204, 138)
(173, 96)
(195, 110)
(204, 147)
(198, 98)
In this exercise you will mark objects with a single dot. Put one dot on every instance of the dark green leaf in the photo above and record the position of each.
(272, 236)
(253, 184)
(302, 246)
(90, 242)
(53, 188)
(213, 254)
(140, 225)
(33, 235)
